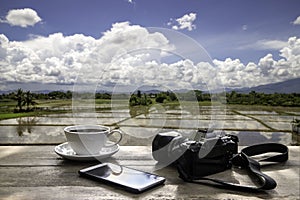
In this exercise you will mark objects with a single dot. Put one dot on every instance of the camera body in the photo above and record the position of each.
(208, 154)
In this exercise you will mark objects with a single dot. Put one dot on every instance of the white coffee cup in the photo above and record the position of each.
(89, 139)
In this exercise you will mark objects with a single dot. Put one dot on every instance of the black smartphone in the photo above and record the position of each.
(132, 180)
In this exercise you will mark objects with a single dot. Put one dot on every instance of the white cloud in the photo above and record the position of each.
(297, 21)
(265, 45)
(58, 58)
(271, 44)
(184, 22)
(233, 73)
(130, 1)
(129, 55)
(22, 17)
(245, 27)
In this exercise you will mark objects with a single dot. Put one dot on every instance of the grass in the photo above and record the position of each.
(278, 109)
(16, 115)
(258, 120)
(43, 107)
(31, 114)
(54, 103)
(103, 101)
(47, 107)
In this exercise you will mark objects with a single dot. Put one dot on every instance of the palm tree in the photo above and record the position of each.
(19, 97)
(28, 100)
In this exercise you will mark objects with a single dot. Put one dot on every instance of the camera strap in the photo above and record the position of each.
(243, 160)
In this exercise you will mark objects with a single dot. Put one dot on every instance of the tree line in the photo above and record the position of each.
(26, 100)
(38, 96)
(256, 98)
(252, 98)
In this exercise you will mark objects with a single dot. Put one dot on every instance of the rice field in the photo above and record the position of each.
(252, 124)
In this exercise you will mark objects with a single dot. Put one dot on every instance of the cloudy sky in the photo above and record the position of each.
(56, 44)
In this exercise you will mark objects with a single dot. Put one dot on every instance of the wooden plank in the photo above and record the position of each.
(182, 191)
(36, 172)
(21, 176)
(45, 155)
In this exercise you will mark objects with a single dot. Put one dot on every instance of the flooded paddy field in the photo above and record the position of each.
(139, 128)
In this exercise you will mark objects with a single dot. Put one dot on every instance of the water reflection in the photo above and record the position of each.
(55, 135)
(141, 124)
(38, 135)
(26, 124)
(252, 137)
(295, 139)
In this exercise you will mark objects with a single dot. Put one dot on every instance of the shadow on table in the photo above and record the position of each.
(174, 186)
(206, 189)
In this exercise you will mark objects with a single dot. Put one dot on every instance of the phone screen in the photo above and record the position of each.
(130, 179)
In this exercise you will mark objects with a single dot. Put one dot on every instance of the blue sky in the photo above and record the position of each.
(234, 32)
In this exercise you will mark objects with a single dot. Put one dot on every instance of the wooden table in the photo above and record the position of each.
(36, 172)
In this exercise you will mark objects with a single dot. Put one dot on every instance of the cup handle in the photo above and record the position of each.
(115, 131)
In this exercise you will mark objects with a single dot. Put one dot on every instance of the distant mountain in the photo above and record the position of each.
(289, 86)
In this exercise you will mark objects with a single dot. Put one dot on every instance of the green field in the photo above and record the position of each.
(63, 106)
(43, 107)
(254, 123)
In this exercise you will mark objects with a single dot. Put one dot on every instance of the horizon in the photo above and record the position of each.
(148, 89)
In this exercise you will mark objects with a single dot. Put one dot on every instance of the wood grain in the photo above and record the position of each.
(36, 172)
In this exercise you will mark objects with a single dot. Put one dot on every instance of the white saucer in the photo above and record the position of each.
(65, 151)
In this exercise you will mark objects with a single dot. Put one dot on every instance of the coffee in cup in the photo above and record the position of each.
(90, 139)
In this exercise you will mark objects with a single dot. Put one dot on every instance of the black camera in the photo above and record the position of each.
(206, 153)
